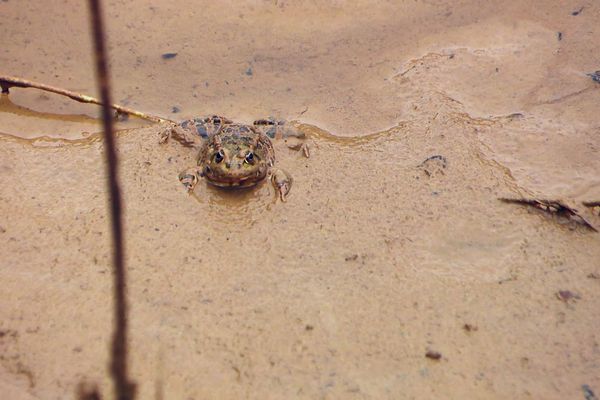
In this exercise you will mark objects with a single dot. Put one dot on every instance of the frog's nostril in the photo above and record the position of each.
(228, 165)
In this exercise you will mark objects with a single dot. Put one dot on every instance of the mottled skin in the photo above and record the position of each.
(233, 155)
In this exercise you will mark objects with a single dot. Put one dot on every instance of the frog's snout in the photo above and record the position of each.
(232, 165)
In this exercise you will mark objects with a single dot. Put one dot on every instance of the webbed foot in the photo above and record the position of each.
(189, 178)
(282, 181)
(299, 146)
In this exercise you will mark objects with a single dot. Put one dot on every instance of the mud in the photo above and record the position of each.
(391, 244)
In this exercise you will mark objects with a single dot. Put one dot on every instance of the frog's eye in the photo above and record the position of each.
(249, 157)
(219, 156)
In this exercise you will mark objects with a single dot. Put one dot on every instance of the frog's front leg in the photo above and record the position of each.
(282, 181)
(190, 177)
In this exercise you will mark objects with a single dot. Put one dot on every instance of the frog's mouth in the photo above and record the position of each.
(235, 182)
(234, 177)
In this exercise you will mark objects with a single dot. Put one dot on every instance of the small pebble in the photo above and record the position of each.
(595, 76)
(168, 56)
(433, 355)
(567, 295)
(588, 393)
(576, 13)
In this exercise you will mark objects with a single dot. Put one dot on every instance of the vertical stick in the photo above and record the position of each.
(124, 389)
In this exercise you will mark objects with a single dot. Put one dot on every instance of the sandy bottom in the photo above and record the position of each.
(377, 258)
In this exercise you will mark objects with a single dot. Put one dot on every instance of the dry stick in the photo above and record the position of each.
(6, 82)
(556, 207)
(124, 388)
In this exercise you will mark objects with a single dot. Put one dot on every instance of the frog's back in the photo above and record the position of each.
(239, 138)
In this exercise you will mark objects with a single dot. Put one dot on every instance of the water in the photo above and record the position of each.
(340, 291)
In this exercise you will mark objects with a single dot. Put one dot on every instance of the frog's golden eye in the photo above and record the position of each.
(219, 156)
(249, 158)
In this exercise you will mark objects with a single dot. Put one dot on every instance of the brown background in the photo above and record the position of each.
(339, 292)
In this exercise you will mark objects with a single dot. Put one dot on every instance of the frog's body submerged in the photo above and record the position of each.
(233, 155)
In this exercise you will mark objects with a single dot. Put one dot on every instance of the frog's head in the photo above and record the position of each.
(234, 158)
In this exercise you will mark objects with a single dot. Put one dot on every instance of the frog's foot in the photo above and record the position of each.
(299, 146)
(189, 178)
(282, 181)
(181, 133)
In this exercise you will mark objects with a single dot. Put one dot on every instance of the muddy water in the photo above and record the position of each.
(373, 261)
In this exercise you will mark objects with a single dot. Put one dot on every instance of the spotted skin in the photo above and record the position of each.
(233, 155)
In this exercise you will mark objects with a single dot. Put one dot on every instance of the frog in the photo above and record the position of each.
(235, 155)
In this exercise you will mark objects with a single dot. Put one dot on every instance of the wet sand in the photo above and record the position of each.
(374, 260)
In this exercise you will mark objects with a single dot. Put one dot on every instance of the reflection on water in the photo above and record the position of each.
(235, 209)
(25, 122)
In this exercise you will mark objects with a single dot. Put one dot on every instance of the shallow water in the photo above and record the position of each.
(339, 292)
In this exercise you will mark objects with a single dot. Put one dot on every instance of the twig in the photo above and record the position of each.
(6, 82)
(124, 388)
(555, 207)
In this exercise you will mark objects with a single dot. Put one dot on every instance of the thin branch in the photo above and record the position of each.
(555, 207)
(124, 388)
(6, 82)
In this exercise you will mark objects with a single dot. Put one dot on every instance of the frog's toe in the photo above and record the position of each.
(164, 136)
(305, 150)
(299, 146)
